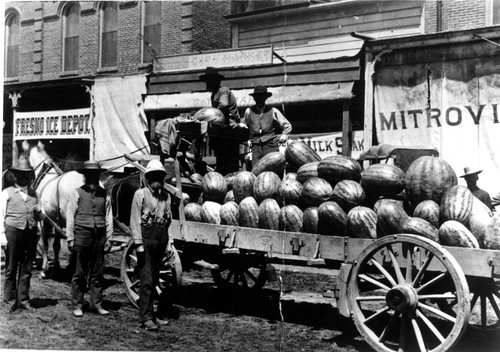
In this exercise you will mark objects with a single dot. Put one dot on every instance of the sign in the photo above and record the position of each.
(226, 58)
(329, 144)
(60, 124)
(451, 106)
(6, 150)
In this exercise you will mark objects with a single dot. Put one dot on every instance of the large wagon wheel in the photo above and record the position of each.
(241, 272)
(485, 294)
(170, 273)
(407, 291)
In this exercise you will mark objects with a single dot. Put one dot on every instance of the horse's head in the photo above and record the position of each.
(36, 154)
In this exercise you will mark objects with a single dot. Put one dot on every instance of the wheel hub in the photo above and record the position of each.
(402, 298)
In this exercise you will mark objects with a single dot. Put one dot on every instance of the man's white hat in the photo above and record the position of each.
(155, 166)
(470, 171)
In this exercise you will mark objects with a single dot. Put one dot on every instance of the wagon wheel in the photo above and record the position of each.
(407, 291)
(170, 273)
(241, 272)
(485, 294)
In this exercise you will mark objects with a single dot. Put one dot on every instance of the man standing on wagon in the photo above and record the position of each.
(150, 219)
(89, 226)
(20, 210)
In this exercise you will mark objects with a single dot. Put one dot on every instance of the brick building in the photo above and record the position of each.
(56, 51)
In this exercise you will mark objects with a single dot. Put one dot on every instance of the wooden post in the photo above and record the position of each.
(368, 120)
(14, 97)
(346, 130)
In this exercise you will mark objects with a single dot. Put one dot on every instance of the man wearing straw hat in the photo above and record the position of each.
(267, 125)
(471, 176)
(227, 151)
(20, 210)
(150, 219)
(89, 226)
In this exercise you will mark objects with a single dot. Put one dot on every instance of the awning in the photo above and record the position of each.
(284, 94)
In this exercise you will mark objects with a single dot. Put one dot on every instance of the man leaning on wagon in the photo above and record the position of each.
(150, 219)
(89, 226)
(20, 210)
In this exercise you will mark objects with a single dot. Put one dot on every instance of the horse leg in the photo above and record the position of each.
(57, 248)
(45, 249)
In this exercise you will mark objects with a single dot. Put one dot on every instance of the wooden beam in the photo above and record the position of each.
(346, 130)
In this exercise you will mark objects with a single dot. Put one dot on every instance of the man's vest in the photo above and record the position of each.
(91, 211)
(19, 213)
(262, 128)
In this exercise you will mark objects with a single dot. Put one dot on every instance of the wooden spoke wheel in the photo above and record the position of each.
(485, 311)
(170, 272)
(241, 272)
(407, 293)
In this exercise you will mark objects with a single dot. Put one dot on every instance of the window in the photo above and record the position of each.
(12, 46)
(151, 31)
(71, 24)
(496, 12)
(109, 34)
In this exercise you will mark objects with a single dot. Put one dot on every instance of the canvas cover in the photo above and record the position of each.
(448, 105)
(119, 121)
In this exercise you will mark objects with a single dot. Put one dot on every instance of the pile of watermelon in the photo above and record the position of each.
(299, 192)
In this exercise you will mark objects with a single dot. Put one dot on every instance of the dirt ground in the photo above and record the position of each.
(204, 318)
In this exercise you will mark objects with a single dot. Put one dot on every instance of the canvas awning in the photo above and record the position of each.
(283, 94)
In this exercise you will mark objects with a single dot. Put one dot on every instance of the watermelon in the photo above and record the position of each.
(362, 223)
(249, 212)
(306, 171)
(422, 228)
(290, 219)
(456, 204)
(429, 211)
(337, 168)
(298, 154)
(390, 218)
(332, 220)
(266, 185)
(348, 194)
(479, 220)
(310, 220)
(383, 180)
(274, 162)
(492, 234)
(229, 214)
(214, 187)
(268, 212)
(243, 185)
(229, 197)
(210, 212)
(289, 192)
(192, 211)
(453, 233)
(316, 191)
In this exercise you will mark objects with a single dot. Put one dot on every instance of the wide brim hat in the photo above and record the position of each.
(211, 72)
(22, 165)
(261, 90)
(468, 171)
(155, 166)
(91, 166)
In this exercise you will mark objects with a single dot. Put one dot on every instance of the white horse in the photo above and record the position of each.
(54, 191)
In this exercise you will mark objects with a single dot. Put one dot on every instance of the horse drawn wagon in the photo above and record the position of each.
(403, 292)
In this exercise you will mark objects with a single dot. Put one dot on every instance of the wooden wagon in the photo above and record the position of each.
(403, 292)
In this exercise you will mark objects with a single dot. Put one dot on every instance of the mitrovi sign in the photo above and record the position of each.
(61, 124)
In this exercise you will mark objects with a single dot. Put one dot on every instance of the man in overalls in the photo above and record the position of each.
(150, 219)
(89, 227)
(20, 211)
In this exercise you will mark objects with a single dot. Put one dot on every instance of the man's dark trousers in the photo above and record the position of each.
(89, 267)
(19, 256)
(155, 241)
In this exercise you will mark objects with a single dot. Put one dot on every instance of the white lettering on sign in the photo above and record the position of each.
(238, 57)
(52, 124)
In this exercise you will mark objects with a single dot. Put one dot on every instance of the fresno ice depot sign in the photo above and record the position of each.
(60, 124)
(451, 106)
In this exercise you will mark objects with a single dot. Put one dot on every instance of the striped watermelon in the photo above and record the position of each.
(243, 185)
(289, 192)
(210, 212)
(316, 191)
(429, 211)
(229, 197)
(310, 221)
(348, 194)
(383, 179)
(298, 154)
(332, 219)
(390, 218)
(269, 211)
(337, 168)
(192, 211)
(492, 235)
(422, 228)
(453, 233)
(266, 185)
(362, 223)
(274, 162)
(230, 178)
(306, 171)
(249, 212)
(456, 204)
(428, 177)
(479, 220)
(214, 187)
(229, 214)
(291, 219)
(382, 201)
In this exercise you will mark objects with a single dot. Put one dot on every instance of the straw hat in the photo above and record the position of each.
(261, 90)
(470, 171)
(22, 165)
(211, 72)
(90, 166)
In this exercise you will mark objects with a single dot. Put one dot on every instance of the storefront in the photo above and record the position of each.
(321, 99)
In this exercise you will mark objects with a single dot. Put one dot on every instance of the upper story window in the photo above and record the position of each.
(12, 45)
(109, 34)
(151, 30)
(71, 44)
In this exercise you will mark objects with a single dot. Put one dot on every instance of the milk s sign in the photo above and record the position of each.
(60, 124)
